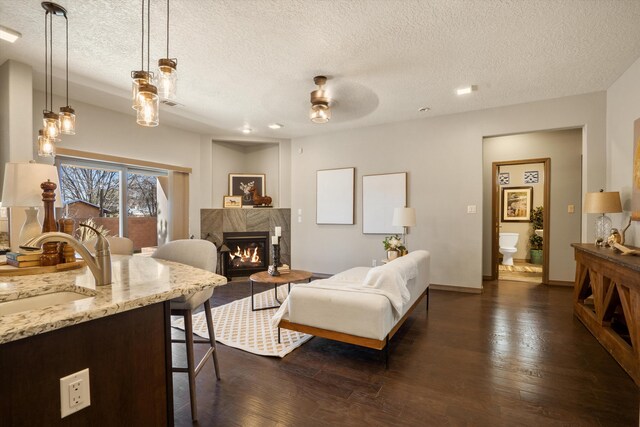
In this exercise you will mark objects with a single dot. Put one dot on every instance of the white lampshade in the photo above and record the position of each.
(21, 185)
(404, 217)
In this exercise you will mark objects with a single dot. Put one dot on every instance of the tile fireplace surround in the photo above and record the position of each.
(214, 222)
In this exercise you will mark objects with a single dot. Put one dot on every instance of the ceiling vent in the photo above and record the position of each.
(170, 103)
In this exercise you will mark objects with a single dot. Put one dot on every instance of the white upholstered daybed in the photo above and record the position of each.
(363, 306)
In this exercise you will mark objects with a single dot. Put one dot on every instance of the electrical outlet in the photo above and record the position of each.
(374, 262)
(471, 209)
(299, 219)
(74, 392)
(571, 209)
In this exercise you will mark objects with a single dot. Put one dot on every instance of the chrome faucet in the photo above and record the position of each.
(100, 264)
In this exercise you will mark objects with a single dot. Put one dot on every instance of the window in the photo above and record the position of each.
(116, 198)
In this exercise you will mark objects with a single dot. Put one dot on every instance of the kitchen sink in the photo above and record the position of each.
(39, 302)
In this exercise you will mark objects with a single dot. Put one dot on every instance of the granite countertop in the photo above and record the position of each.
(138, 281)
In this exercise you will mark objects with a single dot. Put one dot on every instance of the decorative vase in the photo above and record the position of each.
(392, 255)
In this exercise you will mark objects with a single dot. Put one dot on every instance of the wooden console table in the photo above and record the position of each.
(606, 299)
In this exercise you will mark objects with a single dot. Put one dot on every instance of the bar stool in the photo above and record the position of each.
(200, 254)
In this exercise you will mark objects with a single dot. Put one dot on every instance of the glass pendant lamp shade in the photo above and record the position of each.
(320, 113)
(167, 78)
(51, 125)
(67, 119)
(138, 78)
(46, 145)
(149, 106)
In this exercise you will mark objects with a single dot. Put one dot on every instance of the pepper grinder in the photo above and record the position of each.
(67, 254)
(49, 250)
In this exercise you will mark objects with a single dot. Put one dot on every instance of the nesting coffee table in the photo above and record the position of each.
(285, 277)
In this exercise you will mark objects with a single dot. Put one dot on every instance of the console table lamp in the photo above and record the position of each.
(21, 188)
(404, 217)
(602, 202)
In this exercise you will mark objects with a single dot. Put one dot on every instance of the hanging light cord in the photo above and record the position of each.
(46, 62)
(51, 61)
(148, 34)
(167, 28)
(142, 38)
(66, 21)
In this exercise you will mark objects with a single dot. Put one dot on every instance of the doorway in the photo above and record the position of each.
(521, 220)
(562, 218)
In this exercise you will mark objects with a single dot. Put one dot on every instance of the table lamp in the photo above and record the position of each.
(404, 217)
(602, 202)
(21, 188)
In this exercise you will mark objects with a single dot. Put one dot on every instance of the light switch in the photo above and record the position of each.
(299, 219)
(299, 211)
(471, 209)
(571, 208)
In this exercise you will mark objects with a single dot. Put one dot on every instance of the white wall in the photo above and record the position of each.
(443, 158)
(623, 108)
(260, 158)
(16, 137)
(264, 158)
(103, 131)
(564, 149)
(225, 158)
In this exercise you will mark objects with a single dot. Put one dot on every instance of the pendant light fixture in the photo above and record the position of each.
(144, 94)
(167, 74)
(67, 116)
(320, 111)
(54, 124)
(46, 145)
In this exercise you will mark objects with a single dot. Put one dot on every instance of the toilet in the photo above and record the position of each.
(508, 243)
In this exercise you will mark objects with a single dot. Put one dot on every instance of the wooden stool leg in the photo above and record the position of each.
(191, 371)
(212, 336)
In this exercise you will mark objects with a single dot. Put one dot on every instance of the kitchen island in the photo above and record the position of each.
(121, 332)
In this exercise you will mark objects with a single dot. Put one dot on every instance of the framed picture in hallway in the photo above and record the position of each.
(516, 204)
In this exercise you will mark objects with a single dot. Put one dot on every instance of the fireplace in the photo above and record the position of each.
(248, 252)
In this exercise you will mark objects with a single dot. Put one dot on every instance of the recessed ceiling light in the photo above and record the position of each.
(247, 130)
(424, 109)
(275, 126)
(466, 90)
(8, 34)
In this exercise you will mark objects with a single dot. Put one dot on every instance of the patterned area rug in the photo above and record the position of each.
(237, 326)
(526, 268)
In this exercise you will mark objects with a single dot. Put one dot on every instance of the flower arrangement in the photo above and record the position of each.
(393, 243)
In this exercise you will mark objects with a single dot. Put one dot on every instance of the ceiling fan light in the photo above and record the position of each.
(149, 102)
(167, 80)
(137, 78)
(320, 113)
(67, 120)
(46, 145)
(51, 124)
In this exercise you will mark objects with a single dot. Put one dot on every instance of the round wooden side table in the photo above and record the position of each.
(285, 277)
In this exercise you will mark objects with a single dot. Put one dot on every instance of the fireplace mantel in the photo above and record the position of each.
(214, 222)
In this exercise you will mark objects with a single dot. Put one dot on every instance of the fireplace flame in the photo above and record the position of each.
(246, 255)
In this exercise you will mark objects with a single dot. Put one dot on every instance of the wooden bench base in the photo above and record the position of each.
(354, 339)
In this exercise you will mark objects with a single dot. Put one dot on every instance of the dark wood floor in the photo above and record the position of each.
(514, 355)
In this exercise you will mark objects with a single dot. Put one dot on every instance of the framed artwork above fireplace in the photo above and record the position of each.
(239, 184)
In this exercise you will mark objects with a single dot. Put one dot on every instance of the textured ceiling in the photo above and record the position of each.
(251, 62)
